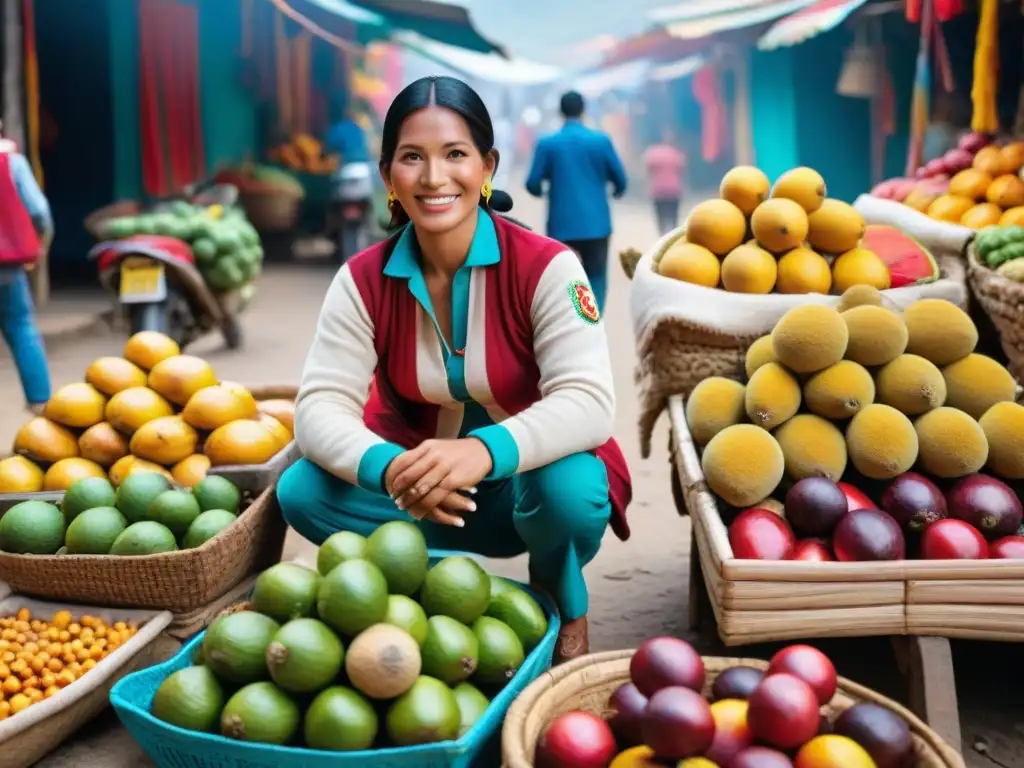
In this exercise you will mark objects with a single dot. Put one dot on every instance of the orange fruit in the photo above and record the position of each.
(746, 187)
(835, 227)
(921, 197)
(982, 215)
(859, 266)
(779, 224)
(748, 269)
(970, 183)
(1014, 217)
(718, 225)
(803, 186)
(990, 160)
(950, 208)
(833, 751)
(1006, 191)
(690, 263)
(1013, 156)
(803, 271)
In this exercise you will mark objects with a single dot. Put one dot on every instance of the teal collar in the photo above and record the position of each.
(404, 261)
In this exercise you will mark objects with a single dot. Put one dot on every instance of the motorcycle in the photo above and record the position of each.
(352, 194)
(156, 282)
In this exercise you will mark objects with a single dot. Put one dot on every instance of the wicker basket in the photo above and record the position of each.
(1003, 301)
(179, 581)
(588, 682)
(271, 210)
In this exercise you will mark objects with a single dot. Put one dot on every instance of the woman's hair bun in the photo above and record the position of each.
(501, 201)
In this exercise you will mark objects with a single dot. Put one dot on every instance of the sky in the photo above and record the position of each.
(542, 29)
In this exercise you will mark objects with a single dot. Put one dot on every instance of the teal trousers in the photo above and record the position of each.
(557, 513)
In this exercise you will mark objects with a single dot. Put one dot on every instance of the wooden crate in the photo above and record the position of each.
(758, 601)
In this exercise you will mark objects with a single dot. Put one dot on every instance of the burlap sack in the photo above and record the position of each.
(685, 333)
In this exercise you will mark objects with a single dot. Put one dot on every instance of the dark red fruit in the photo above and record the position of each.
(914, 501)
(814, 505)
(576, 740)
(812, 551)
(758, 534)
(783, 712)
(953, 540)
(1007, 548)
(990, 505)
(856, 498)
(736, 683)
(760, 757)
(662, 662)
(627, 707)
(810, 665)
(868, 534)
(883, 734)
(678, 723)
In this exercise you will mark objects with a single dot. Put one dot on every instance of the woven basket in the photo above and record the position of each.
(93, 223)
(176, 581)
(1003, 301)
(587, 683)
(272, 210)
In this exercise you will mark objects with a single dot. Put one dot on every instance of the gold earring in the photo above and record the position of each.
(392, 198)
(485, 191)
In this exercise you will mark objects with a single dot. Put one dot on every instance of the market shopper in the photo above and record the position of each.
(26, 229)
(578, 163)
(460, 373)
(665, 164)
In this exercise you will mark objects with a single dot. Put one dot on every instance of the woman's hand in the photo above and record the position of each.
(430, 476)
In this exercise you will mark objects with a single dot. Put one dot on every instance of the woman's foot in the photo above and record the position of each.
(573, 641)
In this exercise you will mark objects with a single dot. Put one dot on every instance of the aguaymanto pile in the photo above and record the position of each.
(373, 649)
(839, 408)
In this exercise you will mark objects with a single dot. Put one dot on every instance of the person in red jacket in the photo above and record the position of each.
(460, 375)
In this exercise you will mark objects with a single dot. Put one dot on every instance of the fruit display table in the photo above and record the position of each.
(926, 662)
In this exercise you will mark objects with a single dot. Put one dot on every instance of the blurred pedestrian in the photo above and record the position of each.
(578, 163)
(665, 164)
(26, 230)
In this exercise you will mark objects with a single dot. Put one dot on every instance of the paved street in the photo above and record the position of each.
(638, 588)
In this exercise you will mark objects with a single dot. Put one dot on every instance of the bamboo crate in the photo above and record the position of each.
(758, 601)
(755, 601)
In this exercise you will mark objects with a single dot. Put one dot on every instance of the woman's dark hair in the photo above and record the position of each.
(450, 93)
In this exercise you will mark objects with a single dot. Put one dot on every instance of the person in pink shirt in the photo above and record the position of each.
(665, 164)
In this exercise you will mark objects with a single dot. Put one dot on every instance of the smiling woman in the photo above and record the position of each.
(460, 374)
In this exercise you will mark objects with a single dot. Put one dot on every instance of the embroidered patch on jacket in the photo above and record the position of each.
(584, 301)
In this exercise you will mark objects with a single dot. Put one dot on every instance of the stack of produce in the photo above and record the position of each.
(373, 649)
(252, 179)
(304, 154)
(747, 718)
(866, 395)
(144, 516)
(1001, 248)
(788, 238)
(226, 246)
(978, 184)
(38, 658)
(152, 409)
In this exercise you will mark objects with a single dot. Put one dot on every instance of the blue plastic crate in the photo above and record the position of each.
(173, 747)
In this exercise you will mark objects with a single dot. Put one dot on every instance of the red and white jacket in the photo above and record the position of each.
(532, 379)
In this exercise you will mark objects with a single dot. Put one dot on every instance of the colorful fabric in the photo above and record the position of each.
(24, 212)
(665, 165)
(525, 374)
(577, 164)
(822, 16)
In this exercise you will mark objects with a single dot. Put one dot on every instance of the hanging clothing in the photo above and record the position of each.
(528, 374)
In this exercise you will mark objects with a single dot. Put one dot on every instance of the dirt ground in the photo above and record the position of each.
(638, 588)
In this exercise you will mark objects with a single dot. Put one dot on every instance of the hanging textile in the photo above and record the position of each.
(707, 91)
(32, 88)
(154, 166)
(944, 9)
(986, 70)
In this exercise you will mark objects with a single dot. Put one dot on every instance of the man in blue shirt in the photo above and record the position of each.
(578, 163)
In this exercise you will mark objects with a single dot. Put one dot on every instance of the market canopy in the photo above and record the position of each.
(440, 21)
(704, 18)
(485, 66)
(676, 70)
(809, 22)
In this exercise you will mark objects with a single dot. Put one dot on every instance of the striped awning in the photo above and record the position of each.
(820, 17)
(727, 16)
(677, 70)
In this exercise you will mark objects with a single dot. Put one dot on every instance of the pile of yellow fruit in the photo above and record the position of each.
(868, 386)
(40, 658)
(303, 153)
(989, 193)
(153, 409)
(784, 238)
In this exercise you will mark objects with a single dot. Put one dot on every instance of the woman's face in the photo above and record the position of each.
(437, 171)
